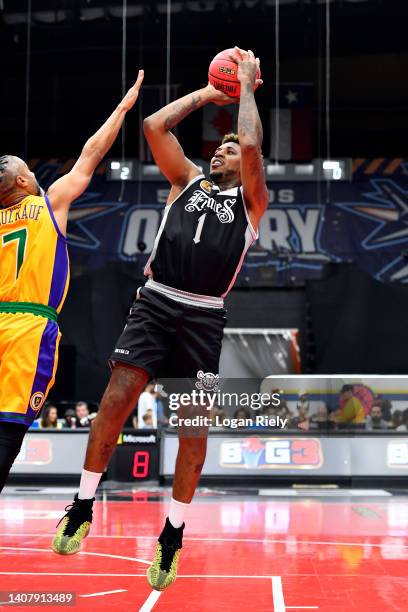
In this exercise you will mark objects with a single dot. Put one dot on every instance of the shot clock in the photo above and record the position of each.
(136, 457)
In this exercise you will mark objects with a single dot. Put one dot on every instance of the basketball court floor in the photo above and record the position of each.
(262, 550)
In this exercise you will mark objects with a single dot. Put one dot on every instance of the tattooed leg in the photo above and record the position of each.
(191, 454)
(189, 463)
(119, 399)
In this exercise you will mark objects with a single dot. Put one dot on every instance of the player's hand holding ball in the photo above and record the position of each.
(231, 69)
(249, 67)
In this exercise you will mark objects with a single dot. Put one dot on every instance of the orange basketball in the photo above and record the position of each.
(223, 74)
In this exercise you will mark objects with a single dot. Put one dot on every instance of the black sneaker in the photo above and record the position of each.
(163, 571)
(75, 526)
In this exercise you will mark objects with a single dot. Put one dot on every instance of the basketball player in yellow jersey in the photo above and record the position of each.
(34, 277)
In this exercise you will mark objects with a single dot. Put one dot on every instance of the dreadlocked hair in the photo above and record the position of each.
(230, 138)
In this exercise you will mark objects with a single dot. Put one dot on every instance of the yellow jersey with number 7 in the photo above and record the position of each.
(34, 265)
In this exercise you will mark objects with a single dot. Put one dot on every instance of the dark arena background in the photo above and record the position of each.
(309, 513)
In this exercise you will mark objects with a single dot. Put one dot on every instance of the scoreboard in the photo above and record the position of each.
(136, 457)
(44, 454)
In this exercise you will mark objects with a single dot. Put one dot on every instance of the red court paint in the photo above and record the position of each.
(323, 555)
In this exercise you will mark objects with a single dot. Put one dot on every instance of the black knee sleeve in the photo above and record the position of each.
(11, 439)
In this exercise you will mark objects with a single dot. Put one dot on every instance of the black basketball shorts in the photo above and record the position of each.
(170, 339)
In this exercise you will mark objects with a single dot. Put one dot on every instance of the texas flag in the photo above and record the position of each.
(217, 121)
(296, 119)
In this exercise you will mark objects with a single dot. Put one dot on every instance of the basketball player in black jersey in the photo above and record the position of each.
(176, 323)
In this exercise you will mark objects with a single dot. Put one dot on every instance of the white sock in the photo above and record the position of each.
(176, 512)
(89, 484)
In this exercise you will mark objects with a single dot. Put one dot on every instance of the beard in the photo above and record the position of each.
(215, 176)
(218, 176)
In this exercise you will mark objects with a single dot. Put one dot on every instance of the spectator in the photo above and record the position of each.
(283, 412)
(303, 404)
(386, 407)
(148, 420)
(271, 411)
(147, 401)
(375, 419)
(49, 418)
(283, 405)
(301, 420)
(404, 421)
(397, 421)
(320, 419)
(69, 419)
(242, 413)
(217, 412)
(351, 411)
(162, 420)
(83, 418)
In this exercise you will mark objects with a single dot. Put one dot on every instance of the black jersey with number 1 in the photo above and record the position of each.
(202, 240)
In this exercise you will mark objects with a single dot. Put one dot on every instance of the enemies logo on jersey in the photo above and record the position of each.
(222, 208)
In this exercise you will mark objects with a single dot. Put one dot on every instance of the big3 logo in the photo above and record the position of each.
(272, 453)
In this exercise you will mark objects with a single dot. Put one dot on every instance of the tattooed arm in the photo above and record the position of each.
(166, 149)
(250, 138)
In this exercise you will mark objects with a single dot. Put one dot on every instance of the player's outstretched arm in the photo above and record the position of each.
(70, 186)
(166, 149)
(250, 135)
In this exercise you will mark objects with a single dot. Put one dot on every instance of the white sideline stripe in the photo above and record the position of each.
(277, 594)
(70, 574)
(323, 493)
(138, 575)
(105, 593)
(49, 550)
(248, 540)
(150, 601)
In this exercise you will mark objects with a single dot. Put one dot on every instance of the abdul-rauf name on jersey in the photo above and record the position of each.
(18, 213)
(200, 201)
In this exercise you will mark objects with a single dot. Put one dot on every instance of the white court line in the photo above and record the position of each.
(105, 593)
(277, 594)
(249, 540)
(150, 601)
(93, 554)
(140, 575)
(70, 574)
(315, 493)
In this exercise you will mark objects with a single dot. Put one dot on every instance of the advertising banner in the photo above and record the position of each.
(301, 233)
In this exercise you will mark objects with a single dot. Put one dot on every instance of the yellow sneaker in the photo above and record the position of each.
(163, 571)
(75, 526)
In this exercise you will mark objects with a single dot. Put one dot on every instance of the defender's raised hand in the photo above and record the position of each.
(133, 93)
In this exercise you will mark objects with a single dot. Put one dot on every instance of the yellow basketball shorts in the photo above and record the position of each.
(28, 362)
